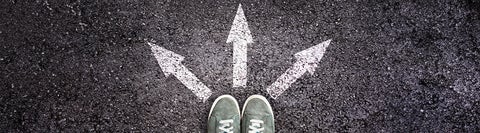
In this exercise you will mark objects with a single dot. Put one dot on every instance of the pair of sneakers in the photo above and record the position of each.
(256, 117)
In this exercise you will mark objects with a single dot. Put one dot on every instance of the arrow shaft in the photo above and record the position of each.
(191, 82)
(286, 79)
(239, 64)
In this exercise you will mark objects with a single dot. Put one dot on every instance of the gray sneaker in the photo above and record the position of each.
(257, 115)
(224, 116)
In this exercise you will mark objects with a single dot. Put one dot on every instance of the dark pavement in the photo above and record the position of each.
(84, 65)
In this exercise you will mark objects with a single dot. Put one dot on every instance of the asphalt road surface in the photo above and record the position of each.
(85, 65)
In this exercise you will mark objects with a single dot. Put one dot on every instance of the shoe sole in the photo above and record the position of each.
(221, 97)
(259, 97)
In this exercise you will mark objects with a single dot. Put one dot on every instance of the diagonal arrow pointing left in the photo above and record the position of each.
(171, 63)
(306, 61)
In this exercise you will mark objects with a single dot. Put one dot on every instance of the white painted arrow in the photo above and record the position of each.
(171, 63)
(306, 61)
(240, 36)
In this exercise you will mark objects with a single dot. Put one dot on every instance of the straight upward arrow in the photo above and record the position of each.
(240, 36)
(307, 60)
(171, 63)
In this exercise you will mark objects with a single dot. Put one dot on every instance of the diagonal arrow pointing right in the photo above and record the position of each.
(306, 61)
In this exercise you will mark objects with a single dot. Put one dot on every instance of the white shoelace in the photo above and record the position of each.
(256, 126)
(226, 126)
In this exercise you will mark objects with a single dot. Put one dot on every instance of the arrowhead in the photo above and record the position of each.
(311, 56)
(167, 60)
(240, 31)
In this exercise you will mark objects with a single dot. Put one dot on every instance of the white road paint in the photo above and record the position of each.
(306, 61)
(240, 36)
(171, 63)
